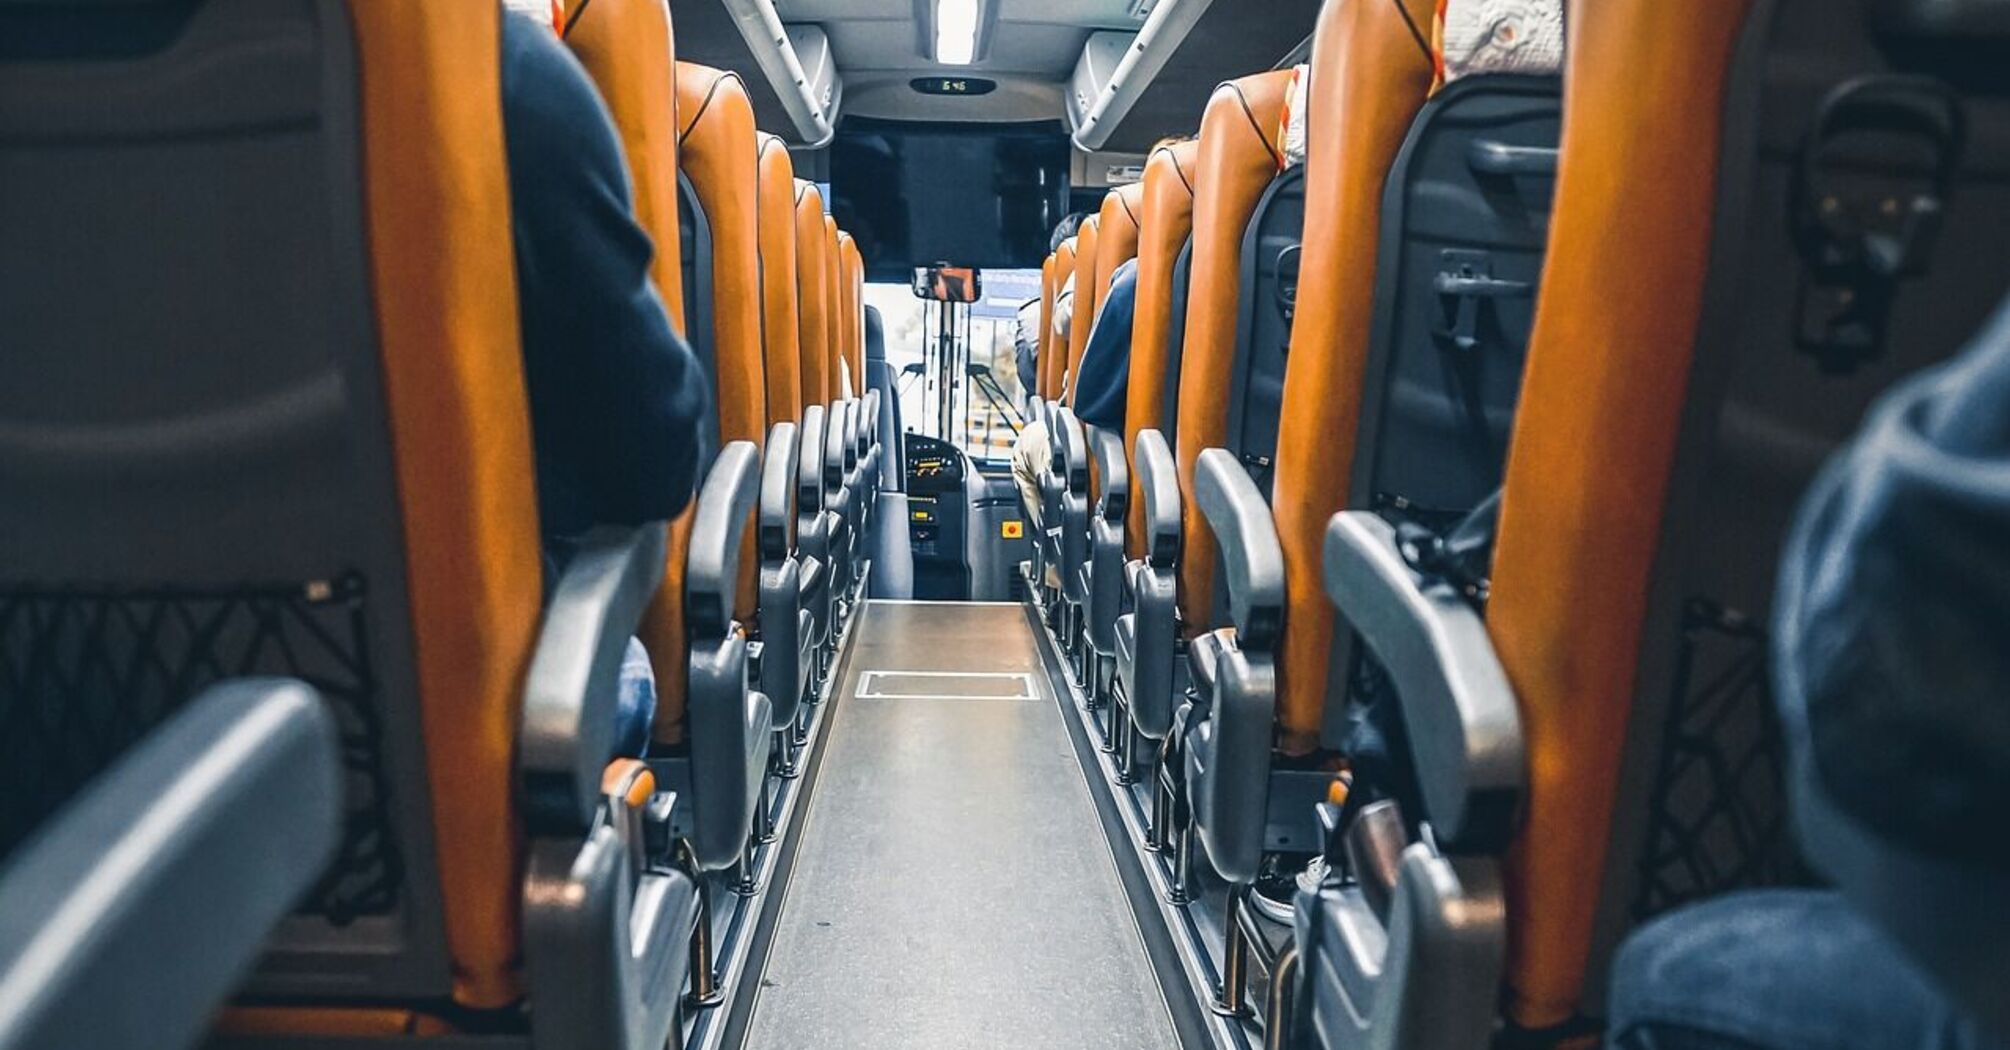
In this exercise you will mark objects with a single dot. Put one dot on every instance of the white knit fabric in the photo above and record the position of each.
(1503, 36)
(1293, 138)
(538, 11)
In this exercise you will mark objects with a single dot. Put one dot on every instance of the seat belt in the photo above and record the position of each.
(1461, 555)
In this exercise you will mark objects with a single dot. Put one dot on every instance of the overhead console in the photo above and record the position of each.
(797, 86)
(1130, 88)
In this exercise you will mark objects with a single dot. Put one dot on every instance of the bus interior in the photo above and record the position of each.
(1227, 524)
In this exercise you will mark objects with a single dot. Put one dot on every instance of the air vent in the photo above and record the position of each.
(1094, 70)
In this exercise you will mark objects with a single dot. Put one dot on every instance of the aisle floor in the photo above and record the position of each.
(954, 888)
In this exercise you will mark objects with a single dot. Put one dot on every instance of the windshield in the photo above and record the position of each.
(957, 375)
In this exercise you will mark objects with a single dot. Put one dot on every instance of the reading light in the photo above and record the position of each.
(955, 31)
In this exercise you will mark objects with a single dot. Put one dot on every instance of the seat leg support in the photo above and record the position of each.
(705, 990)
(1229, 998)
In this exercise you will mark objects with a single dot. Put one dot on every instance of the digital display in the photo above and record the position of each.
(913, 194)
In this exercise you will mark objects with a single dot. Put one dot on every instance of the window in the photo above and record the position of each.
(984, 404)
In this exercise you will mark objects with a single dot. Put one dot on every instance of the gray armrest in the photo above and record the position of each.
(240, 790)
(567, 728)
(853, 415)
(865, 423)
(1252, 561)
(1158, 482)
(778, 491)
(837, 428)
(1114, 469)
(1070, 448)
(1464, 725)
(1428, 979)
(712, 573)
(810, 466)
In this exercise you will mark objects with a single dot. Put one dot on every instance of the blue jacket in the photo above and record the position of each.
(1100, 391)
(616, 396)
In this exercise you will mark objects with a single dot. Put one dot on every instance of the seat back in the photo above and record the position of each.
(629, 50)
(1165, 222)
(1087, 296)
(1267, 289)
(813, 294)
(851, 299)
(1048, 286)
(721, 157)
(834, 338)
(1238, 157)
(1054, 369)
(1827, 218)
(694, 250)
(1463, 233)
(1117, 227)
(192, 496)
(781, 332)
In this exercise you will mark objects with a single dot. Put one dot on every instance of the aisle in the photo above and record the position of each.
(953, 887)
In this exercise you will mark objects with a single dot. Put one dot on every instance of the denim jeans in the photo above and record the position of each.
(1776, 970)
(635, 706)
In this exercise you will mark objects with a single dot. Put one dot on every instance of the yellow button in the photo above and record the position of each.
(1012, 530)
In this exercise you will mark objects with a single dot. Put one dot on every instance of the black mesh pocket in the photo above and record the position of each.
(1718, 816)
(86, 672)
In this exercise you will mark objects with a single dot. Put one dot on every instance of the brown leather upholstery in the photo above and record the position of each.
(1056, 363)
(1238, 157)
(1117, 232)
(1608, 363)
(1369, 78)
(812, 261)
(628, 49)
(780, 335)
(1165, 213)
(443, 279)
(851, 286)
(1040, 337)
(834, 314)
(1086, 298)
(720, 155)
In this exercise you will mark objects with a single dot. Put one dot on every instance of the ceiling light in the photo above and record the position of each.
(955, 31)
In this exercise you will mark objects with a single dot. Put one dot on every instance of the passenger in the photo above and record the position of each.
(1026, 350)
(616, 396)
(1890, 658)
(1100, 391)
(1031, 455)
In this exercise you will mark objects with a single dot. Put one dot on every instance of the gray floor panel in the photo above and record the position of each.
(929, 907)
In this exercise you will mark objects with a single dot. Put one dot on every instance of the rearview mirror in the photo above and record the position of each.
(944, 283)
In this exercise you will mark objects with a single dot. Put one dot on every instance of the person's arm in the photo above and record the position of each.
(1101, 391)
(616, 396)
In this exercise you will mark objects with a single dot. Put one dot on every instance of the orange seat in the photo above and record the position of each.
(1040, 355)
(1054, 363)
(813, 288)
(780, 315)
(629, 50)
(1238, 156)
(834, 297)
(851, 299)
(1117, 225)
(721, 157)
(1369, 78)
(1087, 295)
(1165, 221)
(362, 490)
